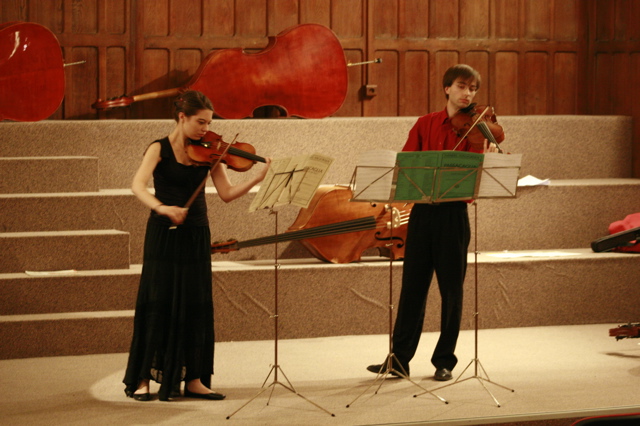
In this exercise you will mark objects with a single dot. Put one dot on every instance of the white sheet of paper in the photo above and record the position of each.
(499, 175)
(374, 175)
(529, 180)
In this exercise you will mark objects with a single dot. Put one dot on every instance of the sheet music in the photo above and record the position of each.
(291, 180)
(499, 175)
(436, 176)
(374, 175)
(306, 183)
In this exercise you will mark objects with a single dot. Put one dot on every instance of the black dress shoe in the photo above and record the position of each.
(396, 371)
(213, 396)
(141, 396)
(443, 374)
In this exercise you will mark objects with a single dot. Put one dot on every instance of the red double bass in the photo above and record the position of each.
(302, 71)
(337, 230)
(31, 72)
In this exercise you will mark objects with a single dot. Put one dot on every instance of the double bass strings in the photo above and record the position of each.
(354, 225)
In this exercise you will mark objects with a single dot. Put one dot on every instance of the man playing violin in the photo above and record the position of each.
(438, 237)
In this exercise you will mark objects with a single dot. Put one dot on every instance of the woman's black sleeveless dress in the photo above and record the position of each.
(173, 337)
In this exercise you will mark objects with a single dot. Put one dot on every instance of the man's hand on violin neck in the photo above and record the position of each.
(490, 146)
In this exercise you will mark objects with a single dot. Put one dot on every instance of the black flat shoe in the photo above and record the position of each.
(443, 374)
(213, 396)
(396, 371)
(141, 396)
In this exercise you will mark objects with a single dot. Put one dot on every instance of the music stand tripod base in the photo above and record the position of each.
(388, 365)
(272, 385)
(476, 360)
(388, 369)
(276, 367)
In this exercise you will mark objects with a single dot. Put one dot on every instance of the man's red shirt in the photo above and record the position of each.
(434, 132)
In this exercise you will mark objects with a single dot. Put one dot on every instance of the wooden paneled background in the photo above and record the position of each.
(536, 56)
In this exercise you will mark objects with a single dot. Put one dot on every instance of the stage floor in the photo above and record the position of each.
(555, 373)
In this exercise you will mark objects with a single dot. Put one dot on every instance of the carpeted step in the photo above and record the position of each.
(564, 214)
(557, 146)
(48, 174)
(63, 250)
(515, 289)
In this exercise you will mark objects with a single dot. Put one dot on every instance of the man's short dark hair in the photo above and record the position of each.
(460, 71)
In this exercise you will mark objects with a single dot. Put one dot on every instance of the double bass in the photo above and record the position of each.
(336, 230)
(31, 72)
(302, 71)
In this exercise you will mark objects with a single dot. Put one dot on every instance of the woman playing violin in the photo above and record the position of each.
(438, 238)
(173, 337)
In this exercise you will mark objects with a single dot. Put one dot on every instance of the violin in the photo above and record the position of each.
(627, 330)
(477, 123)
(211, 149)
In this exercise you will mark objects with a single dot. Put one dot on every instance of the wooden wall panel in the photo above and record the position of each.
(412, 16)
(621, 102)
(602, 79)
(281, 14)
(117, 65)
(348, 19)
(566, 20)
(385, 15)
(155, 19)
(474, 19)
(535, 91)
(479, 60)
(185, 18)
(115, 15)
(80, 81)
(441, 61)
(352, 107)
(414, 93)
(385, 76)
(507, 20)
(537, 23)
(565, 72)
(250, 18)
(316, 11)
(217, 18)
(632, 12)
(84, 17)
(47, 13)
(443, 19)
(506, 77)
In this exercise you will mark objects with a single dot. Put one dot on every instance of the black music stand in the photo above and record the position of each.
(499, 178)
(281, 188)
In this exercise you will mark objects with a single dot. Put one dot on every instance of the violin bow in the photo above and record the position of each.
(204, 181)
(472, 126)
(483, 129)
